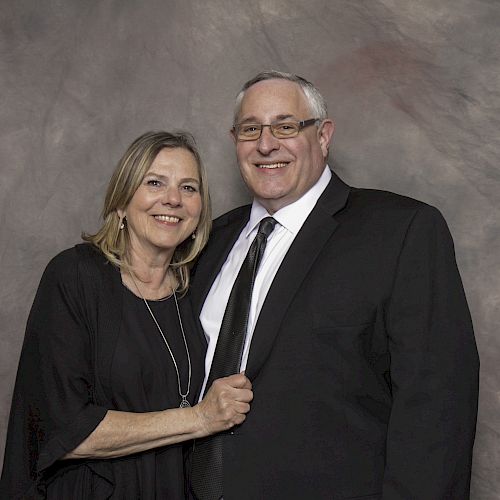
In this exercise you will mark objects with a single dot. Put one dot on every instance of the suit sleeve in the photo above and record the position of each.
(434, 369)
(52, 407)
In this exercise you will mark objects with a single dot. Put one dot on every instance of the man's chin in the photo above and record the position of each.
(272, 201)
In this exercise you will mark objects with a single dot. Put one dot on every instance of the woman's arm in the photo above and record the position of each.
(123, 433)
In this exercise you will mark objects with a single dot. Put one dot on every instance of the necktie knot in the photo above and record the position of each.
(266, 226)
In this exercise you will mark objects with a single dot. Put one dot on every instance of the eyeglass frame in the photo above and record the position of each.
(301, 123)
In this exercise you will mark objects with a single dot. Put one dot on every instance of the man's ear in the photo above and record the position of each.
(325, 134)
(232, 133)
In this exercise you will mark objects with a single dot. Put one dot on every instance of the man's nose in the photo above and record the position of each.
(267, 142)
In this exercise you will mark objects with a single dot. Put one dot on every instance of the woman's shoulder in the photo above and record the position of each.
(68, 263)
(64, 264)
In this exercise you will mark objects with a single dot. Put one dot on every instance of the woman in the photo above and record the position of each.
(112, 361)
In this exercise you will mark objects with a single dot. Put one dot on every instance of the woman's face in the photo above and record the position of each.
(166, 207)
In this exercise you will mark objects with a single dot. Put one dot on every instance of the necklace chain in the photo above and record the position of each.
(184, 401)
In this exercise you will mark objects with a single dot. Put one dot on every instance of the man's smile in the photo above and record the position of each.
(272, 165)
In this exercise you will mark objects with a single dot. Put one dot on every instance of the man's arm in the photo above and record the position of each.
(434, 369)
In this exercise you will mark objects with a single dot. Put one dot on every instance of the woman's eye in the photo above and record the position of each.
(153, 182)
(190, 189)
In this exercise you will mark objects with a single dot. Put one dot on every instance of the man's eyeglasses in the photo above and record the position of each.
(280, 130)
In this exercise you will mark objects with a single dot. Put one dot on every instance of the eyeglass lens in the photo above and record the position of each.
(280, 130)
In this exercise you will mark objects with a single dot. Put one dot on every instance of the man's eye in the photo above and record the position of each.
(249, 129)
(285, 127)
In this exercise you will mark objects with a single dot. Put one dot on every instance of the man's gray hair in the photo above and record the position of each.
(317, 103)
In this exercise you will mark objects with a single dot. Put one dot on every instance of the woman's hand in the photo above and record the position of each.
(225, 405)
(123, 433)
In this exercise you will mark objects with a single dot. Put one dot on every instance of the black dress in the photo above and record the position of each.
(62, 393)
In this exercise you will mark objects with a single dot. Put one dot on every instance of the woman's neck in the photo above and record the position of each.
(149, 276)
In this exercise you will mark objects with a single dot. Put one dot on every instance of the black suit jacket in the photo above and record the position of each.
(363, 360)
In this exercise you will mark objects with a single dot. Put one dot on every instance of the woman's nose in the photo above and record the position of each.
(171, 196)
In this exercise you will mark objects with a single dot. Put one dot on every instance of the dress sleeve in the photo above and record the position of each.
(52, 407)
(434, 369)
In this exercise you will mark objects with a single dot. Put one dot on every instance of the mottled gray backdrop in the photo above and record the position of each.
(413, 85)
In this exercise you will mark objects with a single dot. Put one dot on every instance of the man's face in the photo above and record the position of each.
(280, 171)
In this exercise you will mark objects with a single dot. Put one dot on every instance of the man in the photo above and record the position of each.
(358, 344)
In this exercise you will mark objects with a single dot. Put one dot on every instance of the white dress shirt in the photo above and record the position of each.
(290, 220)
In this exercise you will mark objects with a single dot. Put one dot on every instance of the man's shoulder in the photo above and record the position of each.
(386, 201)
(390, 208)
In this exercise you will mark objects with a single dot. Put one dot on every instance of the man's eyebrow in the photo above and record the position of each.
(252, 119)
(249, 119)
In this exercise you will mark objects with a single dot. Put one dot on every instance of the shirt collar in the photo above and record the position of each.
(293, 216)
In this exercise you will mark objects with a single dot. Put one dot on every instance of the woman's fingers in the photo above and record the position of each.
(225, 404)
(238, 381)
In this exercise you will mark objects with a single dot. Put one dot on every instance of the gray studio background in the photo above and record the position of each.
(413, 85)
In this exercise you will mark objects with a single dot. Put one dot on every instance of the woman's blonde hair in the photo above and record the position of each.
(122, 186)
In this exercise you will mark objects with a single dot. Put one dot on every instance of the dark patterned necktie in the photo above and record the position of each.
(206, 466)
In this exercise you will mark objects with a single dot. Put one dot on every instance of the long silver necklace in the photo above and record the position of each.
(184, 401)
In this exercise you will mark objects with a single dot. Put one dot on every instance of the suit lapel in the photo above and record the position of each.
(316, 231)
(224, 235)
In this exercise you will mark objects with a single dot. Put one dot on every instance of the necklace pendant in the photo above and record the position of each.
(184, 403)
